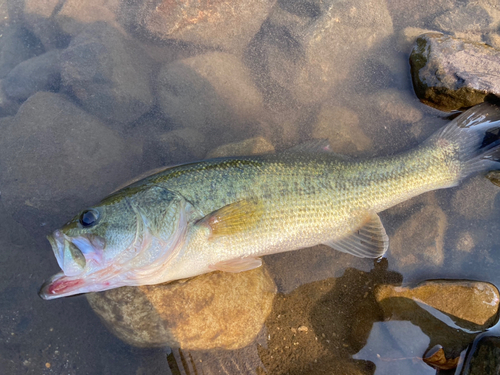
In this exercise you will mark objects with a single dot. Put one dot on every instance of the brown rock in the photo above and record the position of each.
(407, 37)
(250, 146)
(215, 310)
(221, 23)
(494, 177)
(418, 242)
(472, 301)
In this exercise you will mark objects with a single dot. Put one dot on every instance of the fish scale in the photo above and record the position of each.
(224, 214)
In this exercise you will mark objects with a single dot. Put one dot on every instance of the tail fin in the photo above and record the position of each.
(466, 133)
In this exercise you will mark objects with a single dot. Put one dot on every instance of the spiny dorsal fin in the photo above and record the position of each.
(234, 217)
(237, 265)
(369, 241)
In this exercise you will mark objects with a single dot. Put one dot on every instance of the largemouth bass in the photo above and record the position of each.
(224, 214)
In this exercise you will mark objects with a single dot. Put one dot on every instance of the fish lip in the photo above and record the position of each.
(56, 241)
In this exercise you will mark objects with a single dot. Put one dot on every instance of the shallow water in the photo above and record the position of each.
(279, 79)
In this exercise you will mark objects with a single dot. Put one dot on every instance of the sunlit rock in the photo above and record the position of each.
(307, 48)
(470, 301)
(250, 146)
(450, 73)
(215, 310)
(221, 23)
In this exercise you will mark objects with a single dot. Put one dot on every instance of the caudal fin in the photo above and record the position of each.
(467, 132)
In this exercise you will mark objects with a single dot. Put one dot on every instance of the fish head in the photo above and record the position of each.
(115, 243)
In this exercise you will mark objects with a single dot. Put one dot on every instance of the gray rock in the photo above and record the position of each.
(417, 13)
(108, 74)
(55, 152)
(225, 24)
(16, 45)
(40, 73)
(8, 106)
(449, 73)
(38, 18)
(468, 18)
(307, 47)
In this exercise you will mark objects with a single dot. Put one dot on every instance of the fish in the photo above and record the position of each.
(226, 213)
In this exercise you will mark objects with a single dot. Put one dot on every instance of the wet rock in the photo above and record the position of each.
(418, 242)
(395, 105)
(342, 129)
(449, 73)
(40, 73)
(250, 146)
(221, 24)
(306, 48)
(417, 13)
(436, 358)
(74, 15)
(174, 147)
(212, 93)
(108, 74)
(38, 17)
(215, 310)
(471, 301)
(406, 38)
(56, 152)
(471, 17)
(16, 45)
(494, 177)
(475, 199)
(484, 359)
(465, 242)
(8, 106)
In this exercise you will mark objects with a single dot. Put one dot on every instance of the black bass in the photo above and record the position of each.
(224, 214)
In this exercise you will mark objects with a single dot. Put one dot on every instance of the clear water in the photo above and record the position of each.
(327, 292)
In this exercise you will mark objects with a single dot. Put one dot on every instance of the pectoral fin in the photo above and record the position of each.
(233, 218)
(237, 265)
(369, 241)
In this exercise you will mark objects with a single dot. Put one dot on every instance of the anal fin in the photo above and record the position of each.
(369, 241)
(237, 265)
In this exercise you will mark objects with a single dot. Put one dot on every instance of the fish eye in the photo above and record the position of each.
(89, 218)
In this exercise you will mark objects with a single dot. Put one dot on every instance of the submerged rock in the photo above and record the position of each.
(450, 73)
(215, 310)
(55, 152)
(342, 129)
(221, 23)
(494, 177)
(418, 242)
(472, 17)
(212, 93)
(108, 74)
(307, 47)
(40, 73)
(16, 45)
(470, 301)
(250, 146)
(475, 199)
(485, 358)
